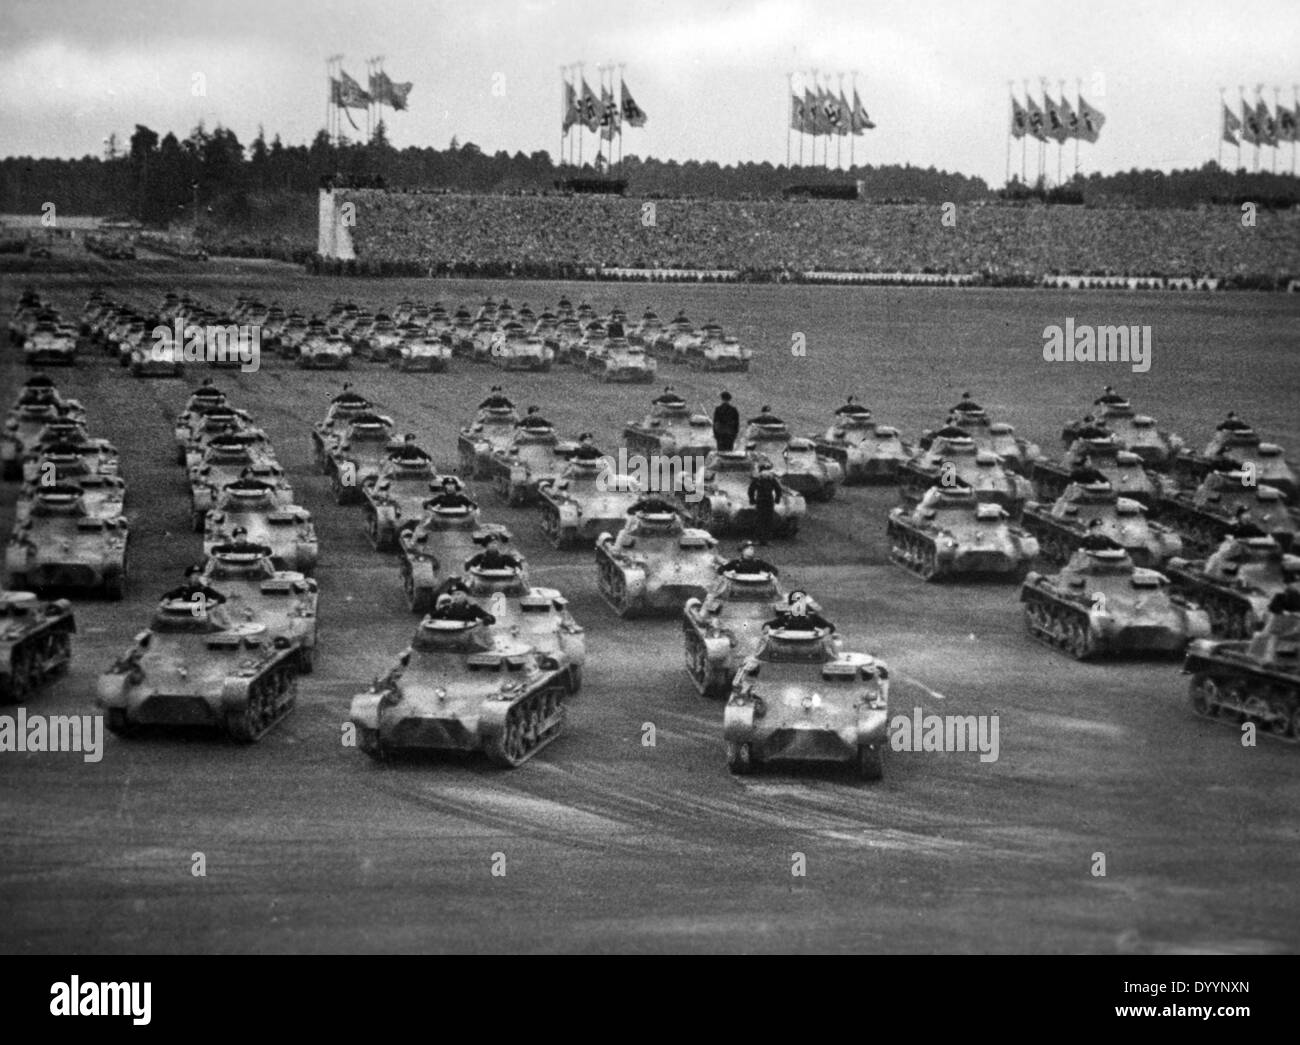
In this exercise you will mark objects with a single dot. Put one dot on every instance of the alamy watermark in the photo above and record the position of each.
(195, 343)
(74, 998)
(658, 473)
(922, 732)
(53, 733)
(1082, 343)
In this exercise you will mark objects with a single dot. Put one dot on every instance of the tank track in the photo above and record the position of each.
(33, 662)
(1231, 613)
(612, 585)
(271, 696)
(914, 553)
(711, 682)
(1057, 624)
(531, 724)
(1234, 694)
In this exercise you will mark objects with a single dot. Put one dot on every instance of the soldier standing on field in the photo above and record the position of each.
(726, 423)
(764, 493)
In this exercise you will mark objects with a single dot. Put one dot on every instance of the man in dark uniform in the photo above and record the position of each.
(1232, 423)
(1095, 540)
(748, 563)
(726, 423)
(653, 506)
(1091, 428)
(493, 558)
(764, 493)
(1083, 472)
(409, 452)
(451, 496)
(669, 398)
(1108, 397)
(587, 449)
(458, 607)
(798, 617)
(496, 400)
(766, 417)
(193, 587)
(1242, 526)
(851, 408)
(533, 419)
(968, 405)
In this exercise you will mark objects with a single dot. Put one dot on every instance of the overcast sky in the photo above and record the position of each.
(710, 75)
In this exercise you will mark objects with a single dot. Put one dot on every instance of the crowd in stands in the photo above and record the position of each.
(563, 235)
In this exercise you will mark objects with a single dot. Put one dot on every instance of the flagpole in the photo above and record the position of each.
(1078, 119)
(1223, 124)
(1277, 143)
(789, 122)
(853, 118)
(619, 102)
(1295, 122)
(1011, 119)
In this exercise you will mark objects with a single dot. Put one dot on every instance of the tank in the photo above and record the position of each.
(998, 437)
(328, 352)
(1205, 515)
(1100, 604)
(1254, 680)
(218, 423)
(717, 353)
(1236, 583)
(492, 430)
(258, 592)
(227, 459)
(586, 499)
(799, 467)
(723, 506)
(436, 547)
(654, 565)
(1122, 469)
(672, 430)
(522, 353)
(286, 529)
(396, 495)
(1137, 433)
(459, 688)
(50, 343)
(951, 533)
(867, 452)
(343, 408)
(194, 667)
(537, 616)
(104, 496)
(149, 358)
(357, 453)
(532, 456)
(76, 457)
(40, 390)
(202, 400)
(1060, 528)
(800, 698)
(23, 428)
(422, 353)
(957, 462)
(725, 628)
(60, 545)
(617, 360)
(1244, 448)
(35, 643)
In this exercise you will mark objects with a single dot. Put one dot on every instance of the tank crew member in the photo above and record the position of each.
(1108, 397)
(726, 423)
(193, 587)
(1084, 472)
(765, 492)
(565, 305)
(1242, 526)
(851, 408)
(653, 506)
(587, 449)
(492, 557)
(496, 400)
(748, 563)
(968, 405)
(798, 617)
(349, 398)
(451, 496)
(1092, 428)
(1232, 423)
(951, 430)
(1096, 540)
(408, 451)
(240, 544)
(458, 607)
(669, 398)
(766, 417)
(533, 419)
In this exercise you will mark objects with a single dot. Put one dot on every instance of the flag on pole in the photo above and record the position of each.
(608, 115)
(348, 94)
(845, 125)
(633, 116)
(1267, 125)
(859, 119)
(830, 112)
(1019, 119)
(570, 107)
(1073, 125)
(385, 92)
(1231, 125)
(1056, 129)
(1286, 124)
(1249, 124)
(812, 112)
(1093, 121)
(1036, 119)
(796, 113)
(589, 107)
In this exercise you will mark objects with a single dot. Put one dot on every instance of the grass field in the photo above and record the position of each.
(612, 845)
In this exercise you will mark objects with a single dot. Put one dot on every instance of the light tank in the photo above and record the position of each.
(258, 592)
(395, 496)
(585, 500)
(194, 667)
(1137, 433)
(422, 353)
(227, 459)
(492, 430)
(617, 360)
(654, 564)
(800, 698)
(437, 546)
(343, 408)
(220, 422)
(50, 343)
(951, 533)
(459, 688)
(1236, 583)
(1100, 604)
(533, 455)
(202, 401)
(358, 453)
(1205, 516)
(522, 353)
(286, 529)
(1255, 680)
(104, 496)
(866, 451)
(60, 545)
(800, 467)
(35, 643)
(1062, 527)
(330, 352)
(1122, 469)
(1245, 449)
(725, 628)
(721, 503)
(671, 429)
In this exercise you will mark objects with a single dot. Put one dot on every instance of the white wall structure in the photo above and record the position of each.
(334, 239)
